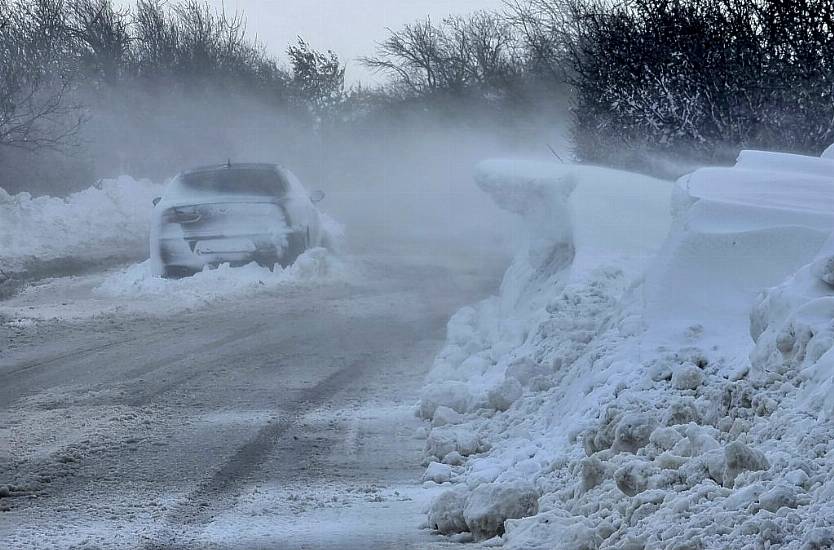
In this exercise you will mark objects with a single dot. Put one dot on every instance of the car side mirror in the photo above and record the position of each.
(156, 200)
(317, 196)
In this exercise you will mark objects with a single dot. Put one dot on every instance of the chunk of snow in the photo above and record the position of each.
(453, 459)
(314, 266)
(551, 530)
(740, 458)
(491, 504)
(819, 538)
(444, 415)
(633, 477)
(633, 432)
(687, 377)
(593, 472)
(505, 394)
(446, 511)
(452, 395)
(681, 411)
(665, 438)
(437, 472)
(447, 439)
(781, 496)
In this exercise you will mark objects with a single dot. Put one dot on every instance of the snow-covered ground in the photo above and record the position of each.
(654, 373)
(136, 290)
(634, 384)
(109, 218)
(138, 284)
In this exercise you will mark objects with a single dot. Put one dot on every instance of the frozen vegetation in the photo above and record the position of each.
(648, 377)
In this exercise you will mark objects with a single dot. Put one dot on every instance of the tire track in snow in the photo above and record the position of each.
(149, 392)
(215, 494)
(30, 471)
(10, 383)
(74, 354)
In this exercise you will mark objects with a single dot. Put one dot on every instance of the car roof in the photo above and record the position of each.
(235, 166)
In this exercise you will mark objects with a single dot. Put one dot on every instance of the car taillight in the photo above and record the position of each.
(182, 214)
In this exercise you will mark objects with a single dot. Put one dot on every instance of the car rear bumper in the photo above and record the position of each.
(178, 256)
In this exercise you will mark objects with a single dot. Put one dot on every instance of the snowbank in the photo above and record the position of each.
(793, 326)
(613, 374)
(110, 218)
(584, 223)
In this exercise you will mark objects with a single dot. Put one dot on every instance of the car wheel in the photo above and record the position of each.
(177, 272)
(296, 245)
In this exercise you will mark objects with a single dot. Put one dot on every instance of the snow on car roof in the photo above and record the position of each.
(236, 166)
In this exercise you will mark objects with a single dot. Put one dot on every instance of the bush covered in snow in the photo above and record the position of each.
(619, 382)
(694, 79)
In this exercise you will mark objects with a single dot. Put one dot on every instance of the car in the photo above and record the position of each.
(235, 214)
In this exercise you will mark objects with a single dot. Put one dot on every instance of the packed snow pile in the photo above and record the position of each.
(108, 218)
(793, 326)
(611, 395)
(584, 223)
(314, 266)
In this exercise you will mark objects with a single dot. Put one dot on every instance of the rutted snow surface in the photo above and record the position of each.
(136, 289)
(301, 397)
(611, 395)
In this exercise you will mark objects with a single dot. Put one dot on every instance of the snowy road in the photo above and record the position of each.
(282, 419)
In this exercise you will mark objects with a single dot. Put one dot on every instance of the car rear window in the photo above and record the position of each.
(236, 180)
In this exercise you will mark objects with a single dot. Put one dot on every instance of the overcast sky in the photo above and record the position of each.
(351, 28)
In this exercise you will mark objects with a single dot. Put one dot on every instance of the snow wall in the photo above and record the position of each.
(634, 385)
(109, 218)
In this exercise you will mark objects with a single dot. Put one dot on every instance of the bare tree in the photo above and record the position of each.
(155, 41)
(548, 32)
(456, 56)
(490, 49)
(35, 84)
(102, 37)
(412, 55)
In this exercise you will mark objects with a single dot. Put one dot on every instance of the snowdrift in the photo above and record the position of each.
(793, 326)
(612, 394)
(110, 218)
(138, 282)
(136, 291)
